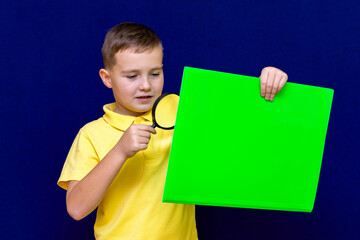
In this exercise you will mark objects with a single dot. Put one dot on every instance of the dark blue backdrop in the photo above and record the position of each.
(50, 57)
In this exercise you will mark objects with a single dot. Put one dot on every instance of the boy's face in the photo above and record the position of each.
(136, 80)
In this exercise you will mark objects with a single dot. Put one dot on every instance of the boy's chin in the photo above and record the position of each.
(134, 111)
(142, 109)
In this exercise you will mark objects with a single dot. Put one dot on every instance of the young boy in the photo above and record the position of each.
(118, 162)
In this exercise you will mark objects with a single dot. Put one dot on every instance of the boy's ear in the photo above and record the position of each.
(105, 77)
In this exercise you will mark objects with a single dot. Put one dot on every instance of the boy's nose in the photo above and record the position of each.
(145, 84)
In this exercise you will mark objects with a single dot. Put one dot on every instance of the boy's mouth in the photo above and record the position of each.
(144, 98)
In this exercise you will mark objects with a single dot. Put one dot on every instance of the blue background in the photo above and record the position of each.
(50, 57)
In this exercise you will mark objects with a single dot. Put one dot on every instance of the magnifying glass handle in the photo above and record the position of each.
(153, 126)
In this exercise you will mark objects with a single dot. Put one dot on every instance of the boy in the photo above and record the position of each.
(113, 165)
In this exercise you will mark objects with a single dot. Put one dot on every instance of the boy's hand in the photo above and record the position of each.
(271, 81)
(134, 139)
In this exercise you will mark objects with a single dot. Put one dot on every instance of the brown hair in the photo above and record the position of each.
(127, 35)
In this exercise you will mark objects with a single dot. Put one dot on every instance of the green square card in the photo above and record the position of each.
(233, 148)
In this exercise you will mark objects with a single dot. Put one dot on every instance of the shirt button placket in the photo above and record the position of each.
(138, 120)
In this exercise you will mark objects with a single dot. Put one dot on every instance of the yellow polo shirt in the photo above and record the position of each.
(132, 207)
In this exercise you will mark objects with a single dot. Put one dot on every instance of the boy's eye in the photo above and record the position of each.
(131, 76)
(155, 74)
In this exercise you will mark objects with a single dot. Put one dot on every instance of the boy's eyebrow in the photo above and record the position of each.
(157, 68)
(136, 70)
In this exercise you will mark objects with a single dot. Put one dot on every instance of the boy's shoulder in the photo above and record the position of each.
(93, 127)
(98, 124)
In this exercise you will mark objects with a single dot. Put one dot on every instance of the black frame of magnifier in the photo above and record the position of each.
(155, 124)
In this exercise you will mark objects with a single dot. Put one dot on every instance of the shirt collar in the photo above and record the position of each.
(122, 122)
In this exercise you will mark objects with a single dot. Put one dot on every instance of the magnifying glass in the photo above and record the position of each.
(164, 111)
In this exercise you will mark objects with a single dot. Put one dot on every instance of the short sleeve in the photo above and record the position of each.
(81, 159)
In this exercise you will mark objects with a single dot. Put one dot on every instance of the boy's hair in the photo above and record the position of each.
(127, 35)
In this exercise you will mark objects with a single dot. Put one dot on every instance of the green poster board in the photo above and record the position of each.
(233, 148)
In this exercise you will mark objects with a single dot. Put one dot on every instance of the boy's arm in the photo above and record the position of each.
(84, 196)
(271, 82)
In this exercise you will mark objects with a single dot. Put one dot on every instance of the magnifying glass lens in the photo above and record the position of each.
(165, 111)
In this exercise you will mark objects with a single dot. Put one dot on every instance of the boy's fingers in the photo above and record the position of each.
(144, 140)
(144, 133)
(145, 127)
(275, 86)
(142, 146)
(263, 79)
(149, 129)
(269, 85)
(152, 130)
(282, 82)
